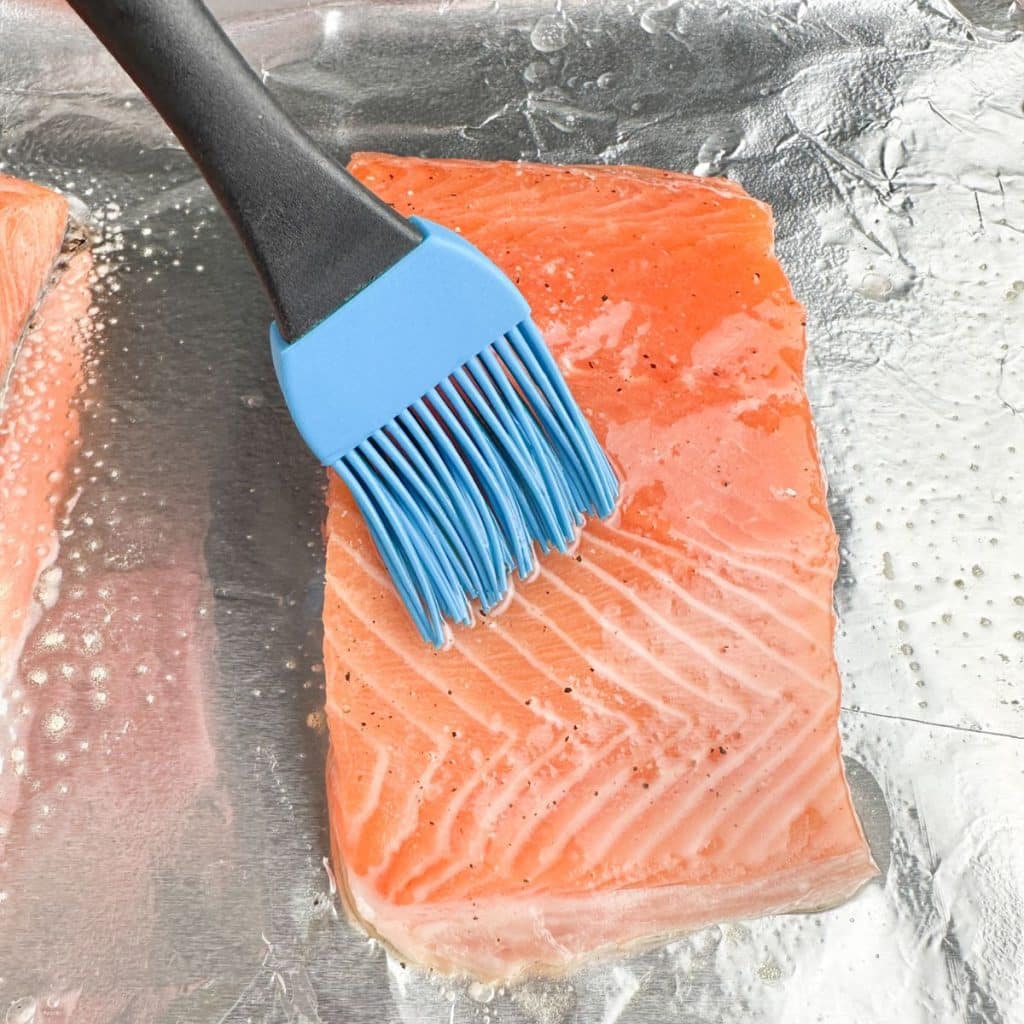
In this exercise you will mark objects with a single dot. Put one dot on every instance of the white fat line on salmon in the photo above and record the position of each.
(684, 541)
(687, 639)
(617, 678)
(405, 649)
(385, 582)
(589, 808)
(516, 696)
(413, 880)
(674, 819)
(716, 696)
(768, 556)
(526, 773)
(809, 760)
(763, 768)
(503, 800)
(384, 698)
(691, 564)
(699, 606)
(372, 798)
(602, 709)
(409, 816)
(754, 552)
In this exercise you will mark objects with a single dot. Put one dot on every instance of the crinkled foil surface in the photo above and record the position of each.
(183, 878)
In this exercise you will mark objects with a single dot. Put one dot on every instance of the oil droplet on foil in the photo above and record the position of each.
(875, 286)
(56, 723)
(52, 640)
(715, 151)
(536, 72)
(481, 993)
(550, 33)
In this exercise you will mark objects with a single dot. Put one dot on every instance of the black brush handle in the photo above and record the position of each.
(314, 233)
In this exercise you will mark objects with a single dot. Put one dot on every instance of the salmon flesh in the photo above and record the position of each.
(41, 363)
(644, 741)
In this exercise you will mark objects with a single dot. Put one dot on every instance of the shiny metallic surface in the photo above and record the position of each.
(172, 868)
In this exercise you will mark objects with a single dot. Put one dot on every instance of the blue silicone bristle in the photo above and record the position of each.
(436, 400)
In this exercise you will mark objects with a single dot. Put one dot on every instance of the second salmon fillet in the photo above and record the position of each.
(42, 349)
(644, 741)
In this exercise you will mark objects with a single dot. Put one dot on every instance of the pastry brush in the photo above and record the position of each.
(408, 360)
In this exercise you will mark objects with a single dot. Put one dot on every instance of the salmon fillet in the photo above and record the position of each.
(644, 741)
(33, 397)
(32, 224)
(38, 426)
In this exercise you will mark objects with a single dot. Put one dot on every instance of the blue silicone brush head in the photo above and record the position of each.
(434, 397)
(407, 358)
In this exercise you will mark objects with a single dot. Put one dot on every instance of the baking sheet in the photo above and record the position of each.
(173, 869)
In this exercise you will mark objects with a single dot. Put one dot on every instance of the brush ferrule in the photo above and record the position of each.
(394, 341)
(435, 399)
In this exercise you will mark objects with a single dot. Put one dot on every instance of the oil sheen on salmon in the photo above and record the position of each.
(644, 741)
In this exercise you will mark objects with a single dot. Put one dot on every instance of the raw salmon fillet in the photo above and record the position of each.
(38, 425)
(33, 396)
(644, 741)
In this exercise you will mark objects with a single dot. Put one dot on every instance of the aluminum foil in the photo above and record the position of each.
(172, 869)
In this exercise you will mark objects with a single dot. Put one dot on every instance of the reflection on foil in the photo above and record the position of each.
(888, 140)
